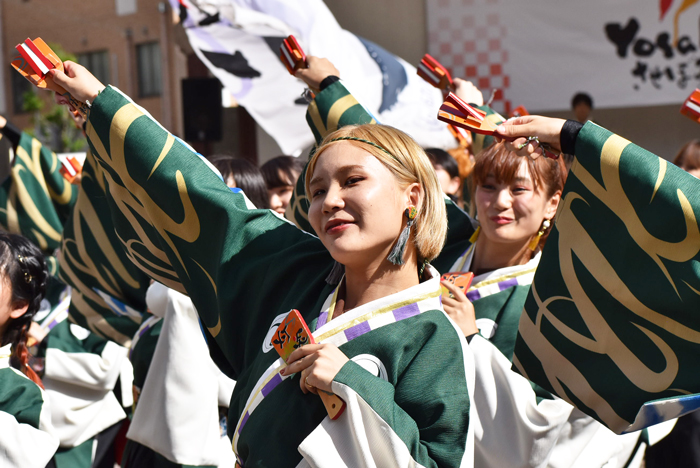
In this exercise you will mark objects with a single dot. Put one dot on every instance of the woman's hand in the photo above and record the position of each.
(458, 307)
(516, 131)
(466, 91)
(318, 70)
(78, 81)
(318, 364)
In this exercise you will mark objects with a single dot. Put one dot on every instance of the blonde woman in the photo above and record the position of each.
(386, 347)
(515, 198)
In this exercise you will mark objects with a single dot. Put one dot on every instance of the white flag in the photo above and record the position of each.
(239, 41)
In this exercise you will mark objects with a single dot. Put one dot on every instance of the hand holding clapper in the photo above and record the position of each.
(34, 62)
(293, 333)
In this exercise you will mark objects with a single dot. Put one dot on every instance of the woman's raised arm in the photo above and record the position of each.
(175, 216)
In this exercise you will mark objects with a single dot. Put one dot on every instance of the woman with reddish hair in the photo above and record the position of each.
(516, 199)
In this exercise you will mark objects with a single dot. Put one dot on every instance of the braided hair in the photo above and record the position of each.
(23, 268)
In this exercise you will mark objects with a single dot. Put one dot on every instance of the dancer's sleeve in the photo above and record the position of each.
(176, 215)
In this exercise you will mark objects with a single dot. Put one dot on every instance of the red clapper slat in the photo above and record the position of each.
(40, 55)
(34, 61)
(457, 112)
(434, 73)
(691, 106)
(292, 55)
(519, 111)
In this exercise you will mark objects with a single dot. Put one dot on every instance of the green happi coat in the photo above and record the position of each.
(543, 431)
(35, 200)
(610, 324)
(109, 290)
(245, 269)
(27, 438)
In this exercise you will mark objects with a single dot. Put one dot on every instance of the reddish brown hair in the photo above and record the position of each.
(496, 160)
(547, 174)
(688, 157)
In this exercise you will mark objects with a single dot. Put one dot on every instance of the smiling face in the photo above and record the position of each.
(513, 212)
(357, 204)
(280, 198)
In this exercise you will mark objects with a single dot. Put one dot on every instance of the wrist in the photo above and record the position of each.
(96, 92)
(327, 81)
(568, 136)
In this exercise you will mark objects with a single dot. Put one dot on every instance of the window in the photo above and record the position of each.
(125, 7)
(20, 86)
(148, 63)
(97, 63)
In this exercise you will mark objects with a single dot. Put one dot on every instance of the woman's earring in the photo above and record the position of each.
(336, 273)
(536, 240)
(396, 254)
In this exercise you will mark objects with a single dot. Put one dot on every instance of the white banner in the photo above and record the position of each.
(239, 41)
(539, 53)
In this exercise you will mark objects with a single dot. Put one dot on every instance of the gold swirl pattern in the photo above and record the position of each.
(574, 242)
(137, 206)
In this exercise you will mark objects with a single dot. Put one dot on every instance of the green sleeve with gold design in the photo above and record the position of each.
(35, 200)
(177, 219)
(610, 323)
(95, 263)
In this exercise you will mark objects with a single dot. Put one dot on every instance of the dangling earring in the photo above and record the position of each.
(396, 254)
(536, 240)
(336, 273)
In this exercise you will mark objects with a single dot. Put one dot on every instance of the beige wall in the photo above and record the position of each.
(397, 25)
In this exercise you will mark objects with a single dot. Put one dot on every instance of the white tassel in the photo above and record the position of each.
(396, 254)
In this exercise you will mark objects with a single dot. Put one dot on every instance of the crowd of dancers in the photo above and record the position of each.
(139, 305)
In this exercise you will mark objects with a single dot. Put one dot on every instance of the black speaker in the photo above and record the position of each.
(201, 107)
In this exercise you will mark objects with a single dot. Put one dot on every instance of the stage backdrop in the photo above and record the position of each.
(539, 53)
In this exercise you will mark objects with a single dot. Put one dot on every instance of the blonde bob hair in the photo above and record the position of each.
(409, 164)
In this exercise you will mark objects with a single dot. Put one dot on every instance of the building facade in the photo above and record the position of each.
(126, 43)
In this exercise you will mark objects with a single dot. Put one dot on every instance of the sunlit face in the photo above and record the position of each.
(513, 213)
(8, 311)
(357, 204)
(280, 196)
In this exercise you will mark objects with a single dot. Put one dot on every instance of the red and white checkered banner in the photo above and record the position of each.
(540, 53)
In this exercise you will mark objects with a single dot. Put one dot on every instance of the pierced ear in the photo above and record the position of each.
(19, 310)
(415, 194)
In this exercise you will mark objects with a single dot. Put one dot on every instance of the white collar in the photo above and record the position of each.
(464, 263)
(429, 290)
(506, 271)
